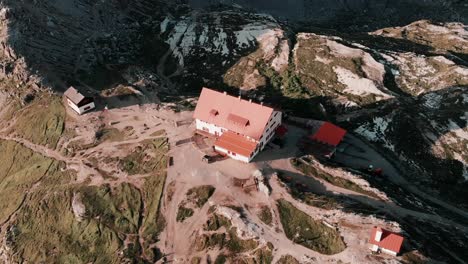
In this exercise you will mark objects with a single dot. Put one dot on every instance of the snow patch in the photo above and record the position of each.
(376, 131)
(357, 85)
(164, 24)
(457, 130)
(432, 100)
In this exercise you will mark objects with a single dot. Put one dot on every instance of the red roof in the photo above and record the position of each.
(235, 114)
(236, 143)
(329, 134)
(389, 240)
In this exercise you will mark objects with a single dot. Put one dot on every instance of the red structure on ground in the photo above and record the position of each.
(329, 134)
(385, 241)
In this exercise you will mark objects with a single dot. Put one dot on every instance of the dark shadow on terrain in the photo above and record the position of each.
(59, 42)
(352, 15)
(91, 41)
(301, 185)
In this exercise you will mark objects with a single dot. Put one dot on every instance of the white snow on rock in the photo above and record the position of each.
(249, 34)
(358, 86)
(164, 24)
(432, 100)
(461, 133)
(376, 131)
(245, 229)
(206, 32)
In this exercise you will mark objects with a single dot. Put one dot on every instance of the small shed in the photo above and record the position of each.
(324, 139)
(385, 241)
(329, 134)
(78, 101)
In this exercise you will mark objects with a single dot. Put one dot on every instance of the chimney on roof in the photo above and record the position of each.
(250, 100)
(378, 235)
(225, 93)
(240, 98)
(261, 103)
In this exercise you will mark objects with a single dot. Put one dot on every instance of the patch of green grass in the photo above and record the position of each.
(337, 181)
(286, 89)
(20, 169)
(115, 207)
(287, 259)
(216, 221)
(149, 157)
(265, 215)
(220, 259)
(110, 134)
(320, 201)
(200, 195)
(42, 121)
(153, 223)
(196, 260)
(210, 241)
(235, 76)
(39, 192)
(184, 213)
(263, 255)
(304, 230)
(158, 133)
(237, 245)
(48, 231)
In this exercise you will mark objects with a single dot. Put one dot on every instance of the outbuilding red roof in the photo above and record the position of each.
(329, 134)
(389, 240)
(237, 144)
(233, 113)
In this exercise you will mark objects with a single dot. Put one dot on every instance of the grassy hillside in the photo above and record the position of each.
(42, 121)
(20, 169)
(47, 217)
(304, 230)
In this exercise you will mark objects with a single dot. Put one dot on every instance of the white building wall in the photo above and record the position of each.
(374, 248)
(393, 253)
(81, 110)
(210, 128)
(86, 108)
(269, 133)
(236, 157)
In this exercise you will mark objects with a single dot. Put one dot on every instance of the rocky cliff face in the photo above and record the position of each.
(363, 13)
(63, 39)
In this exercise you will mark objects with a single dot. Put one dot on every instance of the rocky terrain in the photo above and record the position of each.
(98, 187)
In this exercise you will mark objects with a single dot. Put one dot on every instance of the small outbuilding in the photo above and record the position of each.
(79, 102)
(385, 241)
(324, 139)
(329, 134)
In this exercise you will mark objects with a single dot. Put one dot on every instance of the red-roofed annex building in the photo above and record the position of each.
(242, 128)
(385, 241)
